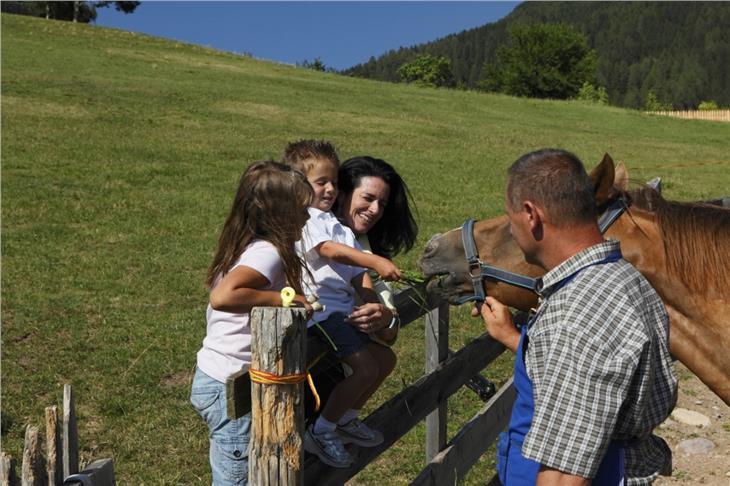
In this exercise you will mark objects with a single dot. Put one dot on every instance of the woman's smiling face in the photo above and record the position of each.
(365, 205)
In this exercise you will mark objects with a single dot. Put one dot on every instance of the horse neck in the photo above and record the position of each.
(699, 335)
(642, 244)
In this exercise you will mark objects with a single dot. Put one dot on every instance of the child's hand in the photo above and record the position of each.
(387, 270)
(301, 301)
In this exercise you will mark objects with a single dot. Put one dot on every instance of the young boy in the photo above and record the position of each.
(338, 269)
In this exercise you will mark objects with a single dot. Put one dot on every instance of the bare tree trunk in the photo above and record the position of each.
(77, 4)
(48, 10)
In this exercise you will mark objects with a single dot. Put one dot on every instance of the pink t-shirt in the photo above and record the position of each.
(227, 344)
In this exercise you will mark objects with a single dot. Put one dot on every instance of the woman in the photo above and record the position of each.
(373, 202)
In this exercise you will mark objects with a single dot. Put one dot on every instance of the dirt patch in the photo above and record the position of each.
(178, 379)
(712, 467)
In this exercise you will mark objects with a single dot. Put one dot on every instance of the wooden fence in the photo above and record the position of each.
(446, 372)
(712, 115)
(60, 462)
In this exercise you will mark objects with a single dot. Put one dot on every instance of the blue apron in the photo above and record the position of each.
(513, 468)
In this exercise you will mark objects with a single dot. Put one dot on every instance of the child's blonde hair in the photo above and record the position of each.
(270, 204)
(304, 154)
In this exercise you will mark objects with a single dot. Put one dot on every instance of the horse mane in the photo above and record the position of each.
(696, 238)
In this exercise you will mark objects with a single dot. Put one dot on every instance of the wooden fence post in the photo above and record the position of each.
(7, 470)
(278, 346)
(53, 464)
(33, 470)
(437, 351)
(70, 434)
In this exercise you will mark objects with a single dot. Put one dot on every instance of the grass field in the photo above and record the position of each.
(120, 156)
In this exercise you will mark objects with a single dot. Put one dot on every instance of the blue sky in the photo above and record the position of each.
(342, 34)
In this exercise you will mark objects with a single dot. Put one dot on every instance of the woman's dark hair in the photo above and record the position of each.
(396, 230)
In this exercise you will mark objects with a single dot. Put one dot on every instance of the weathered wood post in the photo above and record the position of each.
(7, 470)
(54, 465)
(278, 351)
(33, 469)
(70, 454)
(437, 351)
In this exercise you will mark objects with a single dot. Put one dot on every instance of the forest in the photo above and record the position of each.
(676, 51)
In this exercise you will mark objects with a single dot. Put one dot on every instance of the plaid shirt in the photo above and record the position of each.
(599, 361)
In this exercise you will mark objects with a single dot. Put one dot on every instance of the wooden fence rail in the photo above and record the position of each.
(446, 373)
(711, 115)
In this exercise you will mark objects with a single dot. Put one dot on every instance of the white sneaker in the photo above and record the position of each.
(328, 447)
(356, 432)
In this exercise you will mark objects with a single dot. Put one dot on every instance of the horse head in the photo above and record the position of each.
(444, 255)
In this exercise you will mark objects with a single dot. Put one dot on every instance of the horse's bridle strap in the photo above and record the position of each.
(479, 271)
(472, 259)
(612, 213)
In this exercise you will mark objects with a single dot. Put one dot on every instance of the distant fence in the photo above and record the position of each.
(277, 456)
(712, 115)
(60, 463)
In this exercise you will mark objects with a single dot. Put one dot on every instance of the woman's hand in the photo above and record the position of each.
(387, 269)
(370, 317)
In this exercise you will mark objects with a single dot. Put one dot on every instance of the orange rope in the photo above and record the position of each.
(266, 378)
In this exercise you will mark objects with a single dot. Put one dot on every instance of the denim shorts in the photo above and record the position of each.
(344, 338)
(228, 438)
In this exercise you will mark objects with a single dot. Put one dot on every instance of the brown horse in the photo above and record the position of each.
(683, 249)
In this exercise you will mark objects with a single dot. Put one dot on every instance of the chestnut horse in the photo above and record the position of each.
(683, 249)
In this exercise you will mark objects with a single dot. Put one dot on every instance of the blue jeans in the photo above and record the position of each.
(228, 438)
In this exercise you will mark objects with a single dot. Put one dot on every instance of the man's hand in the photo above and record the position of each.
(498, 322)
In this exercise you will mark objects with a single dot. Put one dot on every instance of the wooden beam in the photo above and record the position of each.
(437, 351)
(278, 346)
(54, 473)
(70, 434)
(397, 416)
(451, 465)
(33, 470)
(412, 303)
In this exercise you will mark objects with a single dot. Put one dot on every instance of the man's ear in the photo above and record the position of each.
(534, 213)
(535, 218)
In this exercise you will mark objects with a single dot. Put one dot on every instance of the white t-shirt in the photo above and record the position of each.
(227, 344)
(331, 279)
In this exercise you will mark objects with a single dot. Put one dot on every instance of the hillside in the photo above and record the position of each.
(680, 50)
(120, 156)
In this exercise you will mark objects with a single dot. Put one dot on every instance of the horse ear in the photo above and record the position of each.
(602, 177)
(621, 177)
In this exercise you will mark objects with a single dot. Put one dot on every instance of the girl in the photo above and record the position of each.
(255, 259)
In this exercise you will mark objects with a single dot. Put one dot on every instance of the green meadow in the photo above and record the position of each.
(120, 157)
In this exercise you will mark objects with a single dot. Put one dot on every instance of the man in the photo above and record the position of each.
(593, 373)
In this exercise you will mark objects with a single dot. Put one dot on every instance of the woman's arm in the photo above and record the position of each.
(352, 256)
(241, 290)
